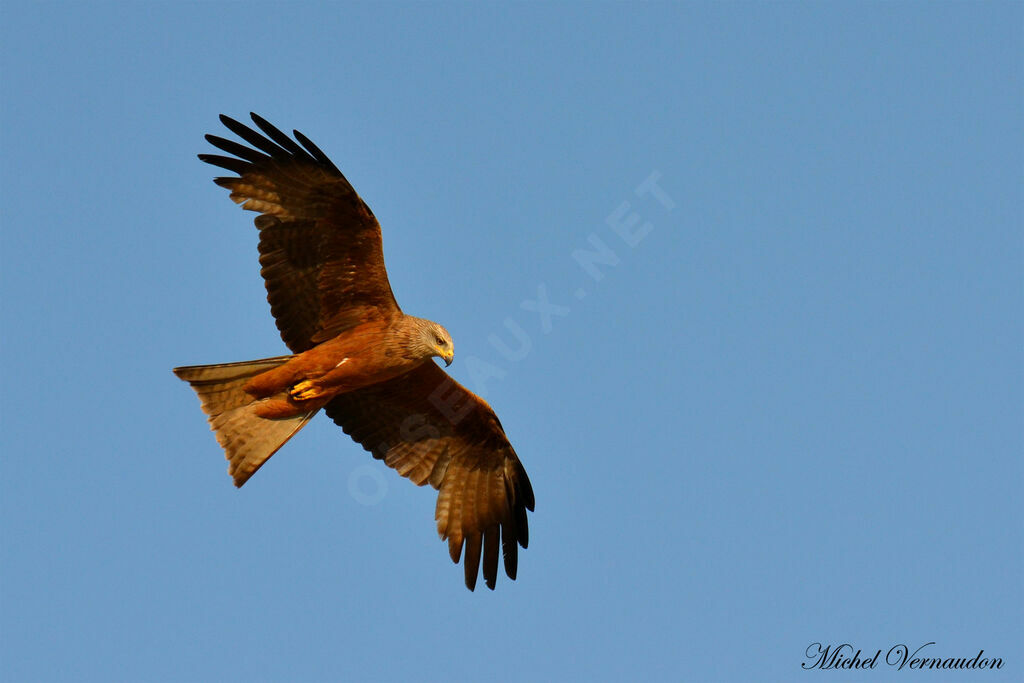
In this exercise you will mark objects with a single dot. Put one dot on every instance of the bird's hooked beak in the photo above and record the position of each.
(445, 353)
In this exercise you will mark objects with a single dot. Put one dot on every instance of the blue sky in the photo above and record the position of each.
(790, 412)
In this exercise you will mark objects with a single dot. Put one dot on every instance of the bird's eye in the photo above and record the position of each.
(440, 342)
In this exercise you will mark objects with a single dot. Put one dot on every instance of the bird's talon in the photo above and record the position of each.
(303, 391)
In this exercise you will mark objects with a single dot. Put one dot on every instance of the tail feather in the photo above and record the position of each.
(248, 439)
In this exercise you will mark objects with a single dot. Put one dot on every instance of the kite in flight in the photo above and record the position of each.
(357, 356)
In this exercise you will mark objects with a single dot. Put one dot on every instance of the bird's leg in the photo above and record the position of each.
(304, 390)
(321, 379)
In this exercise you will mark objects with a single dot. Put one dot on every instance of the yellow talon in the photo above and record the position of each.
(304, 390)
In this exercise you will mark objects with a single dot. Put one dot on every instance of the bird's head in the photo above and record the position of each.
(434, 340)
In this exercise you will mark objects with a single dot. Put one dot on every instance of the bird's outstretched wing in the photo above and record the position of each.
(432, 429)
(320, 245)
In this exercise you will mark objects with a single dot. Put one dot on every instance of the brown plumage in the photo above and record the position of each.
(357, 355)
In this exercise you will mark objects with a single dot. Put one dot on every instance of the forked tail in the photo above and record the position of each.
(248, 439)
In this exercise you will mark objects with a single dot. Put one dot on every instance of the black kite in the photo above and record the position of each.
(357, 355)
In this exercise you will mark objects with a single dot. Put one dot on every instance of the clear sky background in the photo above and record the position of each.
(790, 413)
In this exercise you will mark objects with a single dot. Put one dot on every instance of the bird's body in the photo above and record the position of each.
(356, 355)
(362, 356)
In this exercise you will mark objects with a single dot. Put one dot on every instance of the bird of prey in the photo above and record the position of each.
(356, 355)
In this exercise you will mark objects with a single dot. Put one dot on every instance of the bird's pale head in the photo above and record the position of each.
(434, 340)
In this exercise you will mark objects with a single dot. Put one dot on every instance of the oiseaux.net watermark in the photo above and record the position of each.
(629, 224)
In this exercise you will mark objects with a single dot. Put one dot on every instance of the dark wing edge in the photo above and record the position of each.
(320, 245)
(433, 430)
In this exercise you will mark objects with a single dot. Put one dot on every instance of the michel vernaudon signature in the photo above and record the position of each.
(898, 657)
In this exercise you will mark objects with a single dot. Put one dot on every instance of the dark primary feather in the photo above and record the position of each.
(283, 146)
(227, 163)
(276, 135)
(232, 147)
(483, 490)
(320, 245)
(314, 150)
